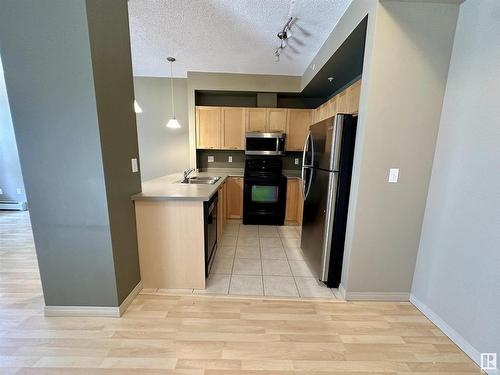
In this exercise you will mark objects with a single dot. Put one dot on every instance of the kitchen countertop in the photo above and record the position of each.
(169, 188)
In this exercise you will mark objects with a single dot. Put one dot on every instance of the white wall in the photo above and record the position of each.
(162, 150)
(11, 178)
(406, 64)
(457, 277)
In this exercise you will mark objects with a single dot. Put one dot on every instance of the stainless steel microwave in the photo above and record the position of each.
(257, 143)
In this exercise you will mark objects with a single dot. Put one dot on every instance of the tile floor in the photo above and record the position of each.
(263, 260)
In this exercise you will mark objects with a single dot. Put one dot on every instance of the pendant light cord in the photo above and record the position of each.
(172, 88)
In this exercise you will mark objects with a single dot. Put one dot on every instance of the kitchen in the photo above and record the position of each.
(232, 224)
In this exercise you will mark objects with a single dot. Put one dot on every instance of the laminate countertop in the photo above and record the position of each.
(169, 187)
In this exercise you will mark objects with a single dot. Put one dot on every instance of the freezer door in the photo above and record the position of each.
(315, 219)
(325, 142)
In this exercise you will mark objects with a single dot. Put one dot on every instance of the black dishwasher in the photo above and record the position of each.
(210, 217)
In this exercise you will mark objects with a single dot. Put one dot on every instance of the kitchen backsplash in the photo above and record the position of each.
(221, 159)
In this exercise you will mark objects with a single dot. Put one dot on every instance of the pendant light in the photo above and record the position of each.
(137, 107)
(172, 123)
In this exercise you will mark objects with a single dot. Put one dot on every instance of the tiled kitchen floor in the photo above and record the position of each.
(263, 260)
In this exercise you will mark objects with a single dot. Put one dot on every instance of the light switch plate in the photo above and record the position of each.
(135, 165)
(229, 159)
(19, 191)
(393, 175)
(296, 161)
(210, 159)
(1, 191)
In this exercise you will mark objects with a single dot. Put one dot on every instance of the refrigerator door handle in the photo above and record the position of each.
(304, 153)
(305, 191)
(304, 165)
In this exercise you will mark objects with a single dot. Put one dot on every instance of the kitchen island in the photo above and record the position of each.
(171, 233)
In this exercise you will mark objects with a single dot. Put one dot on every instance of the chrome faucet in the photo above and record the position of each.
(187, 172)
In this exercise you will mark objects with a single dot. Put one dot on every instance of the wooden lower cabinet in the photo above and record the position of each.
(294, 202)
(221, 210)
(234, 197)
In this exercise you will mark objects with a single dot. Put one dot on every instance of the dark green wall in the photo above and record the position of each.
(114, 90)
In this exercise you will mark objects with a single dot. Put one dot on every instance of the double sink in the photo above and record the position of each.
(208, 180)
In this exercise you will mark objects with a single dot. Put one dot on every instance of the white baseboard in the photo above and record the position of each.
(84, 311)
(94, 311)
(13, 206)
(131, 296)
(454, 336)
(376, 296)
(342, 291)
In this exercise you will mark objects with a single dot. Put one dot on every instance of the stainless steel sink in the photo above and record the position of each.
(209, 180)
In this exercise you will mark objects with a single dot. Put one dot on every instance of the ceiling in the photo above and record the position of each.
(230, 36)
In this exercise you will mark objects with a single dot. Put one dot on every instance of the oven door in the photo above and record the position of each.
(264, 201)
(265, 144)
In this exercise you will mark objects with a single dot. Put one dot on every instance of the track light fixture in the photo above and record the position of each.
(283, 36)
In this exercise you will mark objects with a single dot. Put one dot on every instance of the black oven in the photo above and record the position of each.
(264, 192)
(265, 143)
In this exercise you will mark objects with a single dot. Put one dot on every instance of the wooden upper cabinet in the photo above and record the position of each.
(256, 119)
(233, 128)
(276, 119)
(342, 103)
(298, 121)
(332, 107)
(315, 115)
(353, 93)
(323, 111)
(208, 127)
(234, 197)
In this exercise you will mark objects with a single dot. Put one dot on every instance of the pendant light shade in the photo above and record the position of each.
(137, 107)
(172, 123)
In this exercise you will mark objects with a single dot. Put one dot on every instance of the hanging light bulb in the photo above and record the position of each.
(172, 123)
(137, 107)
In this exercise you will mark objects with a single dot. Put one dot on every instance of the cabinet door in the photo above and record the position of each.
(300, 202)
(234, 198)
(208, 127)
(332, 107)
(233, 128)
(342, 104)
(276, 119)
(353, 92)
(315, 116)
(298, 121)
(291, 200)
(256, 119)
(221, 210)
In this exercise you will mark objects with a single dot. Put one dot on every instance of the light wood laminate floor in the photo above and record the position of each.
(210, 335)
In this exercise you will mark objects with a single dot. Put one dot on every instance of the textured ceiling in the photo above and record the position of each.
(230, 36)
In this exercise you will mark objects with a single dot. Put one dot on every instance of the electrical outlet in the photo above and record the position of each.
(393, 175)
(229, 159)
(135, 165)
(210, 159)
(19, 191)
(296, 161)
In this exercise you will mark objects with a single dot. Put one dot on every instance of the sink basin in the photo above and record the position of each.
(209, 180)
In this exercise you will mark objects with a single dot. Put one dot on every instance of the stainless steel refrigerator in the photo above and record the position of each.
(326, 177)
